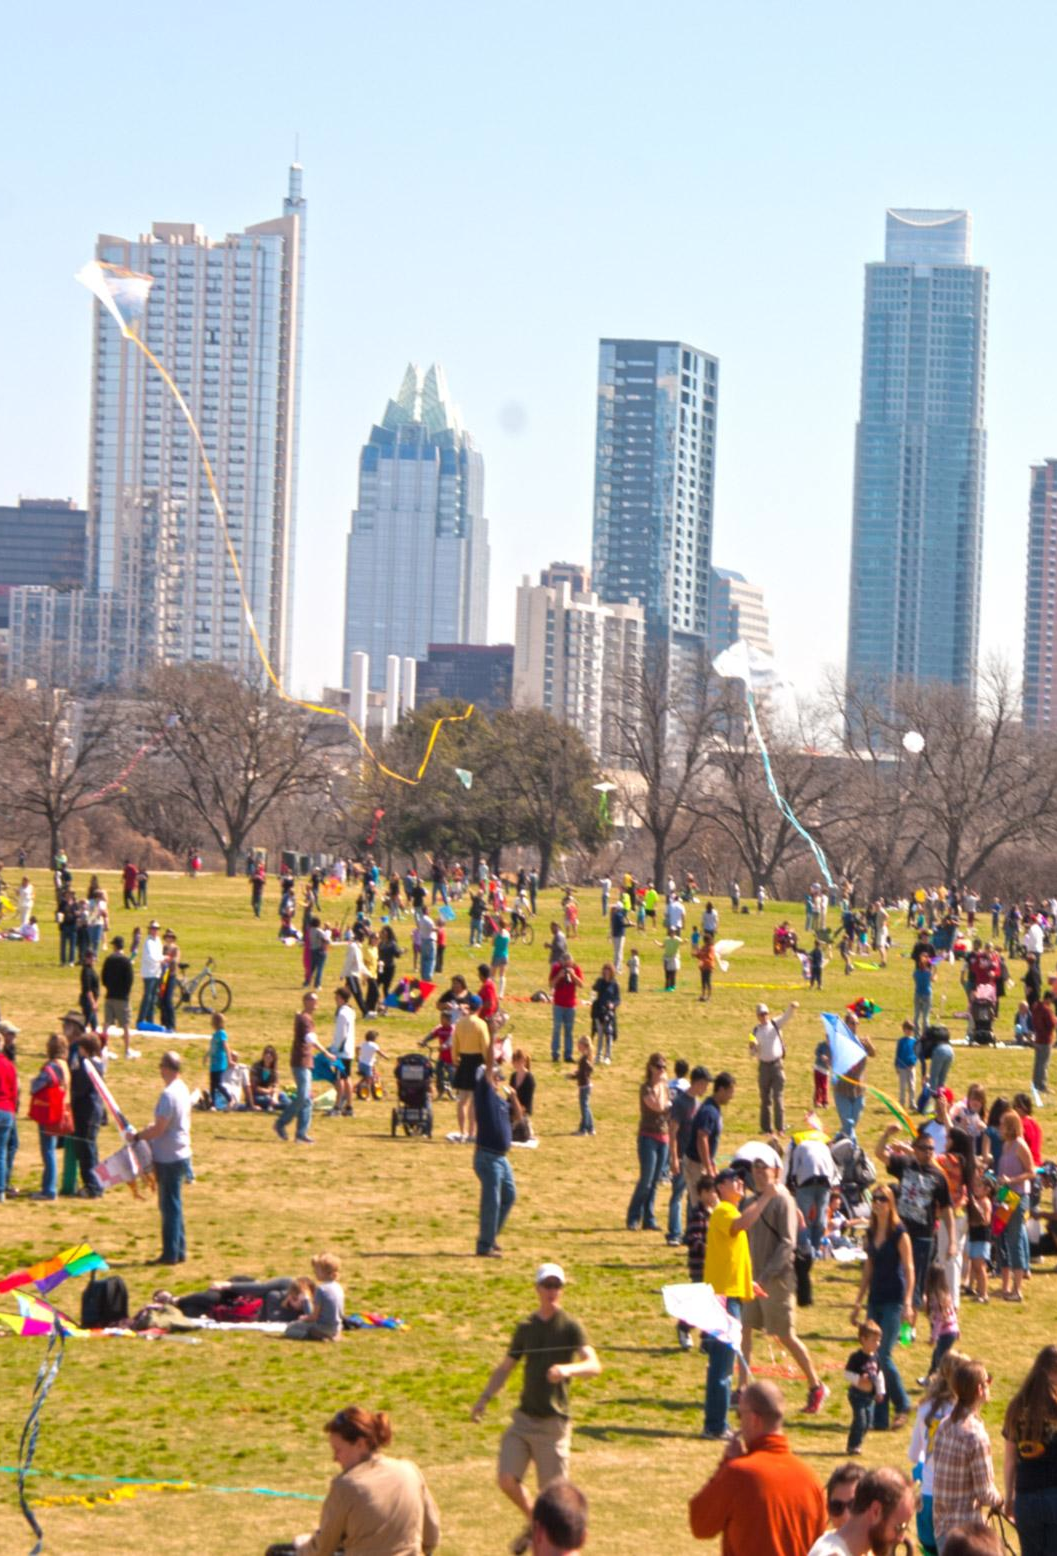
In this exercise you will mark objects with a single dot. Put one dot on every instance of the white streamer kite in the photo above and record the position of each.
(742, 662)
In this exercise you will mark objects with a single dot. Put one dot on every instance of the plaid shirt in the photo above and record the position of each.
(696, 1240)
(964, 1482)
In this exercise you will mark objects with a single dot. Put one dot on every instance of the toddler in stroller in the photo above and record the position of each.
(414, 1111)
(857, 1174)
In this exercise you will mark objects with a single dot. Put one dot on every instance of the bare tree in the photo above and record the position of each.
(663, 720)
(60, 751)
(231, 748)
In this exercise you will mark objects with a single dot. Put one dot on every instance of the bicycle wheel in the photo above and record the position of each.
(179, 994)
(528, 935)
(215, 996)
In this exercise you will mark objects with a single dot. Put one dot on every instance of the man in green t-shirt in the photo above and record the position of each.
(555, 1349)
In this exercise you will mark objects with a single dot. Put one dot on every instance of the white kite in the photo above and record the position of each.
(697, 1305)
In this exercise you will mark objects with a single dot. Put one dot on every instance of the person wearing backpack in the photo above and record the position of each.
(49, 1107)
(169, 1138)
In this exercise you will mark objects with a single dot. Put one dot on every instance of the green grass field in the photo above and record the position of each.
(246, 1410)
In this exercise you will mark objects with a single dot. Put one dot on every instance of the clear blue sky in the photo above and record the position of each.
(497, 186)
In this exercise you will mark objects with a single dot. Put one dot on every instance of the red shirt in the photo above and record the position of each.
(566, 993)
(489, 999)
(767, 1502)
(1044, 1023)
(1033, 1138)
(130, 877)
(8, 1086)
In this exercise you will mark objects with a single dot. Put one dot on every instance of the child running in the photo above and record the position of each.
(866, 1384)
(369, 1053)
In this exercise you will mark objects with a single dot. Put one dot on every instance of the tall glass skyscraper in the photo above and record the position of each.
(225, 319)
(917, 535)
(1040, 612)
(417, 558)
(654, 480)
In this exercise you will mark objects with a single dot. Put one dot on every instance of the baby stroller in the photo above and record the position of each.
(983, 1008)
(414, 1073)
(857, 1174)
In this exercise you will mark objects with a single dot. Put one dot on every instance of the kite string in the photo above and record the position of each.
(779, 799)
(27, 1447)
(311, 707)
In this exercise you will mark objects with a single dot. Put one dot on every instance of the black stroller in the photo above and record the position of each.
(983, 1008)
(857, 1174)
(414, 1111)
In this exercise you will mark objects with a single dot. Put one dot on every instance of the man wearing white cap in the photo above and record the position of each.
(768, 1047)
(555, 1349)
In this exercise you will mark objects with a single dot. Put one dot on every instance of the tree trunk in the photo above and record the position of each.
(56, 843)
(231, 859)
(660, 860)
(546, 850)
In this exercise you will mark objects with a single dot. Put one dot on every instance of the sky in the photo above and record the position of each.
(496, 187)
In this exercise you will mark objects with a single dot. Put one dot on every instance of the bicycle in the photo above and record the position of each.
(372, 1087)
(521, 932)
(214, 995)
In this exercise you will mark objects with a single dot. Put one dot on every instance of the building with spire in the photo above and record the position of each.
(225, 319)
(918, 519)
(417, 555)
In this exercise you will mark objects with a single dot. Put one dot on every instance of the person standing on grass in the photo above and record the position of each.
(654, 1132)
(887, 1284)
(471, 1044)
(500, 955)
(169, 1138)
(555, 1350)
(670, 947)
(220, 1057)
(963, 1479)
(685, 1106)
(707, 1131)
(1044, 1029)
(566, 980)
(496, 1109)
(618, 930)
(582, 1076)
(728, 1270)
(301, 1057)
(767, 1046)
(924, 1196)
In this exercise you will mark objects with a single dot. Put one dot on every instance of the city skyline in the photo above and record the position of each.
(745, 233)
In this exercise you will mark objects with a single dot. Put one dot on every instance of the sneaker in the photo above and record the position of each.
(725, 1436)
(133, 1053)
(40, 1195)
(674, 1242)
(280, 1129)
(489, 1253)
(522, 1542)
(816, 1397)
(683, 1336)
(303, 1140)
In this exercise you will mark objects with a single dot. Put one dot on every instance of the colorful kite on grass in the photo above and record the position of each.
(49, 1273)
(37, 1318)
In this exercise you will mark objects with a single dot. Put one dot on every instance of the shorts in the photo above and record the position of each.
(365, 1071)
(978, 1248)
(773, 1313)
(117, 1013)
(466, 1073)
(541, 1440)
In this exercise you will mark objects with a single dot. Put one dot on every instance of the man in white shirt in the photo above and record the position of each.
(343, 1050)
(768, 1048)
(1033, 939)
(170, 1141)
(881, 1512)
(150, 965)
(427, 946)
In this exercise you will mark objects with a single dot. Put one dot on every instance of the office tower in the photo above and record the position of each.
(574, 655)
(1040, 616)
(576, 576)
(42, 541)
(481, 673)
(919, 461)
(654, 477)
(736, 610)
(224, 317)
(417, 558)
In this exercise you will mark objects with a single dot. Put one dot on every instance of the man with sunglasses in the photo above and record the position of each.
(555, 1349)
(923, 1195)
(881, 1510)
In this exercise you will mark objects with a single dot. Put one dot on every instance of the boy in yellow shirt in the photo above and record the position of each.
(728, 1270)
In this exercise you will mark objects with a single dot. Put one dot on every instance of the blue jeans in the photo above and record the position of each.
(498, 1193)
(942, 1059)
(811, 1201)
(653, 1156)
(849, 1109)
(427, 960)
(315, 970)
(7, 1124)
(67, 944)
(717, 1383)
(587, 1123)
(150, 995)
(922, 1249)
(1037, 1522)
(562, 1023)
(475, 931)
(922, 1011)
(300, 1103)
(862, 1407)
(49, 1149)
(1016, 1249)
(675, 1205)
(170, 1176)
(890, 1317)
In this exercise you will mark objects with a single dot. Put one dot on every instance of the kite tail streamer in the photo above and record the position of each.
(779, 799)
(48, 1372)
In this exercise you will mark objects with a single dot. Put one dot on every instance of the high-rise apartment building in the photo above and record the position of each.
(42, 541)
(481, 673)
(224, 317)
(736, 610)
(1040, 616)
(417, 557)
(654, 480)
(919, 462)
(575, 656)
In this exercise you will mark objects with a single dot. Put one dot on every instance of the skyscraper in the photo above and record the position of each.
(736, 610)
(417, 558)
(1040, 615)
(654, 479)
(919, 462)
(225, 319)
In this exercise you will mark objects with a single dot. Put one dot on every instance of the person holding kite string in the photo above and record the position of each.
(768, 1048)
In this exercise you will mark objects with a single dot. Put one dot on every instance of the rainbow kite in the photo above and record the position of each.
(39, 1318)
(49, 1273)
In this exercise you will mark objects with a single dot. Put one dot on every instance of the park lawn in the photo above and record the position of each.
(246, 1410)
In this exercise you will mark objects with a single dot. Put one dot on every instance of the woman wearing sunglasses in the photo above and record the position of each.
(887, 1285)
(655, 1107)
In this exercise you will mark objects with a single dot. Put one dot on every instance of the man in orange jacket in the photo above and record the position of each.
(762, 1499)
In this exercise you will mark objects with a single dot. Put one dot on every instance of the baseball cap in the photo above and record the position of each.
(7, 1030)
(699, 1073)
(474, 1002)
(763, 1010)
(154, 924)
(728, 1175)
(550, 1272)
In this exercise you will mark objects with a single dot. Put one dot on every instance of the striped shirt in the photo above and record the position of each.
(963, 1485)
